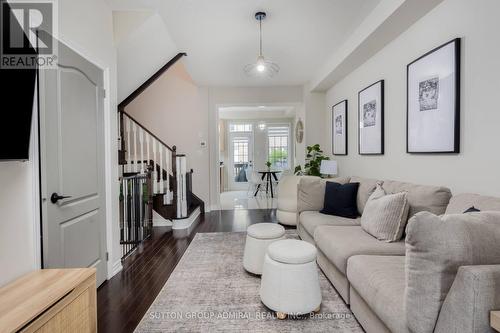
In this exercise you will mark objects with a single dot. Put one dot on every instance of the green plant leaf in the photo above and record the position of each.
(314, 156)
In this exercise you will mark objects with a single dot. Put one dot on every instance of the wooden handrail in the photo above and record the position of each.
(149, 81)
(172, 149)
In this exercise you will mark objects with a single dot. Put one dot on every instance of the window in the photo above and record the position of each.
(240, 150)
(240, 127)
(240, 158)
(278, 136)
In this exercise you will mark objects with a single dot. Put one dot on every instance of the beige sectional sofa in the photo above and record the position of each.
(370, 274)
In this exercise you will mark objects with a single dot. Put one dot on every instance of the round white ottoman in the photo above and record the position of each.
(290, 282)
(259, 236)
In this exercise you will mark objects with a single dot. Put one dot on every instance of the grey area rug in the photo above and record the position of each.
(209, 291)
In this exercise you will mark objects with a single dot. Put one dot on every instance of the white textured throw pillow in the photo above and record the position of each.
(385, 215)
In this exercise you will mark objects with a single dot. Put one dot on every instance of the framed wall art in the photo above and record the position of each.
(339, 128)
(371, 119)
(433, 101)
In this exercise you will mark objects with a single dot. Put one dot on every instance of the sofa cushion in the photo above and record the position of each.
(340, 200)
(310, 220)
(385, 215)
(311, 192)
(380, 281)
(340, 243)
(365, 189)
(287, 192)
(428, 198)
(461, 202)
(435, 248)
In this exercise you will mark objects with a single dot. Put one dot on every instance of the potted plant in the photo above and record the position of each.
(314, 157)
(268, 165)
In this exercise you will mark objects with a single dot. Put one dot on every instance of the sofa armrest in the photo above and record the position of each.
(474, 293)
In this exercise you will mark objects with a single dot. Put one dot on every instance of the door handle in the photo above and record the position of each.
(54, 198)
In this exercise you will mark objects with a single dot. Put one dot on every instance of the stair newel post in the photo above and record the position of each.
(150, 196)
(174, 175)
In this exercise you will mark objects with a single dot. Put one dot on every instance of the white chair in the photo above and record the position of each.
(290, 280)
(284, 173)
(259, 236)
(254, 180)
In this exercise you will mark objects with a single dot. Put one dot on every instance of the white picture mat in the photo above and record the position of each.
(432, 130)
(370, 138)
(339, 142)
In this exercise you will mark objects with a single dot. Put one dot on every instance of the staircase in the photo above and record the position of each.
(154, 177)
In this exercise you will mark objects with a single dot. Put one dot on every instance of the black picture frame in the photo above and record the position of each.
(382, 118)
(346, 128)
(456, 99)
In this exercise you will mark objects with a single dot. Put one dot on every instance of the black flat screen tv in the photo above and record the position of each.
(17, 94)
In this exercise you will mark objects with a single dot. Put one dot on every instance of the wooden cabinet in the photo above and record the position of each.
(50, 300)
(495, 320)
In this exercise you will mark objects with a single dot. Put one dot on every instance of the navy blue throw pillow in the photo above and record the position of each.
(472, 210)
(340, 200)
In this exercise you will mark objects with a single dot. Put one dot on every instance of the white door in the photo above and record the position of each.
(72, 164)
(241, 156)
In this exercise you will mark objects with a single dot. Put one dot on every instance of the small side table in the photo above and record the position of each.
(269, 182)
(495, 320)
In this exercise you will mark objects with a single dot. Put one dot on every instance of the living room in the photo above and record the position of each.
(137, 196)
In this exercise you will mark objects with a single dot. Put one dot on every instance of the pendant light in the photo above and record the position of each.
(261, 67)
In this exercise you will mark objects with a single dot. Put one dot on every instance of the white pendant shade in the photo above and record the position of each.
(261, 67)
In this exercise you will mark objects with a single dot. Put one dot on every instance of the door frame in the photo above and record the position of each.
(113, 266)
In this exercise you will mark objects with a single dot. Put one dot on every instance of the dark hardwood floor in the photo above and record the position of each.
(123, 300)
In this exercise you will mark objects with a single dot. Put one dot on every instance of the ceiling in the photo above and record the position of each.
(256, 112)
(221, 36)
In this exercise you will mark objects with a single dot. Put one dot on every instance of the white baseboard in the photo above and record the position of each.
(184, 227)
(160, 221)
(117, 267)
(187, 222)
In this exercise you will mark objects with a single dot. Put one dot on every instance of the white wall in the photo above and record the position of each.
(476, 168)
(315, 127)
(87, 27)
(18, 226)
(142, 53)
(174, 109)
